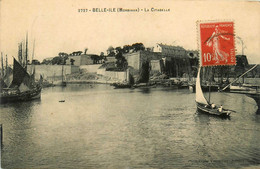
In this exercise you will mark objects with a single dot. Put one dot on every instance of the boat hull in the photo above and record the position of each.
(23, 96)
(121, 85)
(206, 109)
(144, 86)
(242, 88)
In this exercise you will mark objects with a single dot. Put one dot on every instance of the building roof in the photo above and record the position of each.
(83, 55)
(169, 47)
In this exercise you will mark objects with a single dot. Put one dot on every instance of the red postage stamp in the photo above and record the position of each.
(217, 43)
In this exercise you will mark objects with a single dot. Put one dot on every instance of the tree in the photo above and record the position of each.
(121, 62)
(46, 62)
(77, 53)
(35, 62)
(95, 58)
(126, 48)
(57, 60)
(144, 73)
(110, 51)
(85, 51)
(64, 60)
(138, 46)
(119, 56)
(102, 56)
(62, 54)
(241, 65)
(72, 61)
(118, 49)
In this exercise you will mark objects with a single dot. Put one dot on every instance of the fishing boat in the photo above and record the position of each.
(122, 85)
(243, 87)
(204, 106)
(14, 95)
(22, 88)
(144, 85)
(18, 85)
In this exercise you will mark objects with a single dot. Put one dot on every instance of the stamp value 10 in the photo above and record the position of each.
(217, 43)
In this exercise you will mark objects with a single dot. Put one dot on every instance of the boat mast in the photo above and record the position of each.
(32, 56)
(62, 74)
(210, 74)
(2, 65)
(20, 53)
(33, 49)
(26, 51)
(6, 64)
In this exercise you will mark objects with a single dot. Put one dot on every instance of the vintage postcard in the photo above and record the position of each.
(129, 84)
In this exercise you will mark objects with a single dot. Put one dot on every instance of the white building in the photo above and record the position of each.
(170, 50)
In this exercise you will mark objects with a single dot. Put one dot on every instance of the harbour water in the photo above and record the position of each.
(100, 127)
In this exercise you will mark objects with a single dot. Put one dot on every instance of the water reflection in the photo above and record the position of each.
(145, 90)
(22, 111)
(18, 129)
(208, 116)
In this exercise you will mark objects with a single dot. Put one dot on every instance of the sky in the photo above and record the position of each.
(57, 26)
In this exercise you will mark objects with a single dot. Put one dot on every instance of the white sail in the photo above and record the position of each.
(199, 94)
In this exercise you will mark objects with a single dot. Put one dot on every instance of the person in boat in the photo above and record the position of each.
(213, 106)
(220, 109)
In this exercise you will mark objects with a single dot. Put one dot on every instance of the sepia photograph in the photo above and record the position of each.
(120, 84)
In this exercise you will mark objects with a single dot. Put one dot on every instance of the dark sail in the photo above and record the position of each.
(31, 82)
(2, 84)
(19, 75)
(8, 76)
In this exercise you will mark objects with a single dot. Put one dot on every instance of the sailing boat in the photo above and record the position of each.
(204, 106)
(22, 88)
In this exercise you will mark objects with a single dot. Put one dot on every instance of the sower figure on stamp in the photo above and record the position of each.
(217, 52)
